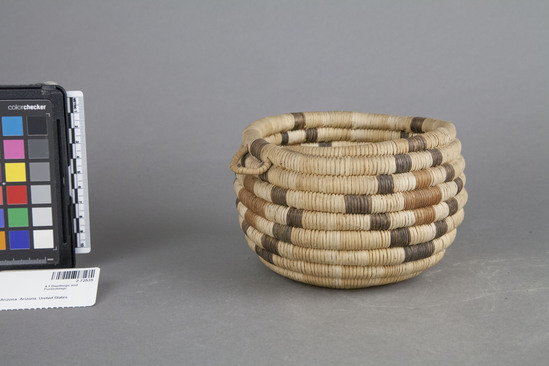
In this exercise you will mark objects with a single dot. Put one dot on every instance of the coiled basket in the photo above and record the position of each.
(347, 199)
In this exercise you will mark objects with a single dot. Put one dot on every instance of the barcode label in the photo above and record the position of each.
(48, 288)
(73, 275)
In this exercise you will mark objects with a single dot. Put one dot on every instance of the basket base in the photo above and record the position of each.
(337, 283)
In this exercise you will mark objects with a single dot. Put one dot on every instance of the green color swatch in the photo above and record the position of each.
(18, 217)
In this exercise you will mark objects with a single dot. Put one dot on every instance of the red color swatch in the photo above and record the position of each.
(16, 195)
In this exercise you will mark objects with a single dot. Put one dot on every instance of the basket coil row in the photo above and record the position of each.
(347, 199)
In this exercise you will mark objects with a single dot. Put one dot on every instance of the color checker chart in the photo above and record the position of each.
(29, 193)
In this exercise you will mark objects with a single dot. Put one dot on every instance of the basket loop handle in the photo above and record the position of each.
(236, 164)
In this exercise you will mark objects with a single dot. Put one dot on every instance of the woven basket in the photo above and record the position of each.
(349, 200)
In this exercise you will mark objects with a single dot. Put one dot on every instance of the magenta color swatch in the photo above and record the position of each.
(14, 149)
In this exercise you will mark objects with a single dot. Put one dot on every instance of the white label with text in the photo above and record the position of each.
(53, 288)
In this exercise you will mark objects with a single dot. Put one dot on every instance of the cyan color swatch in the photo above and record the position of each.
(12, 126)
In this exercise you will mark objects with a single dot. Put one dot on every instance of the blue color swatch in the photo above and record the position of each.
(19, 240)
(12, 126)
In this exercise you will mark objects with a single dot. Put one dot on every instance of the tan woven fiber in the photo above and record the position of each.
(294, 140)
(339, 283)
(385, 256)
(337, 271)
(337, 203)
(435, 133)
(351, 240)
(315, 220)
(349, 199)
(363, 165)
(346, 143)
(361, 184)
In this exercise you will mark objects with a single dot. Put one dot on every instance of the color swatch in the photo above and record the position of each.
(27, 220)
(44, 216)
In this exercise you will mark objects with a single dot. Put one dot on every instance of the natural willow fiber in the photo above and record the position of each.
(316, 220)
(339, 203)
(335, 282)
(338, 271)
(368, 257)
(351, 240)
(347, 199)
(360, 184)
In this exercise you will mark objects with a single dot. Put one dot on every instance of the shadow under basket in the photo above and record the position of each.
(348, 199)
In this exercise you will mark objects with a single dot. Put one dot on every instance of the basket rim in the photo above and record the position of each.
(434, 133)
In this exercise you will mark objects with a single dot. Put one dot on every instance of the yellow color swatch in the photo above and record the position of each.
(15, 172)
(2, 241)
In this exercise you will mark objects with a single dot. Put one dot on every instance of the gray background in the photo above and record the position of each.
(169, 88)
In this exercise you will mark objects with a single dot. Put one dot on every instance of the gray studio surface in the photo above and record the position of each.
(169, 86)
